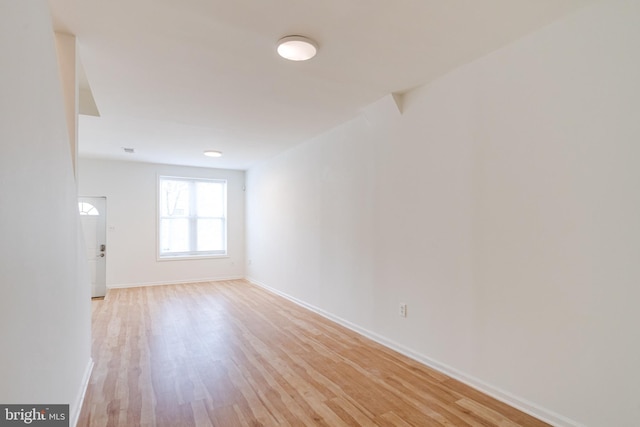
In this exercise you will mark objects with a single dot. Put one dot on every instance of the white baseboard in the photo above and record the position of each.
(76, 407)
(181, 282)
(510, 399)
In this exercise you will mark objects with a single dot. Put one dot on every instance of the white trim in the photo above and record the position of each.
(77, 404)
(510, 399)
(191, 255)
(181, 282)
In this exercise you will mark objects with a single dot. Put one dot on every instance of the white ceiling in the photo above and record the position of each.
(173, 78)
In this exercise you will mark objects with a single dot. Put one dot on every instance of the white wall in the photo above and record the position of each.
(502, 206)
(67, 54)
(131, 192)
(44, 289)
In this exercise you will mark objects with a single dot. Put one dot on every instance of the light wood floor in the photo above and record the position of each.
(231, 354)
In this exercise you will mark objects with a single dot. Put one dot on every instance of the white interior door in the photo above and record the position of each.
(93, 214)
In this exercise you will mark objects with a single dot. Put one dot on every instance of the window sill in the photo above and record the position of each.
(190, 257)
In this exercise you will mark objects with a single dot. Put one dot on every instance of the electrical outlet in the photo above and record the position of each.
(403, 310)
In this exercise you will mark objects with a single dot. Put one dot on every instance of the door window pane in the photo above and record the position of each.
(87, 209)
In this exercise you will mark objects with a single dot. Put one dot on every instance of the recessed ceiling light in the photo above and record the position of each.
(297, 48)
(212, 153)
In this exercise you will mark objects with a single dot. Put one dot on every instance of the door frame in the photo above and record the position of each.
(101, 273)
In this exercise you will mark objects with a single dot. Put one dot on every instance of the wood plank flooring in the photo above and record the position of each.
(231, 354)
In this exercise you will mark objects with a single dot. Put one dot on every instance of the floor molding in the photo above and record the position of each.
(77, 405)
(181, 282)
(510, 399)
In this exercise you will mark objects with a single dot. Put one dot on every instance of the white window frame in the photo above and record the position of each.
(192, 254)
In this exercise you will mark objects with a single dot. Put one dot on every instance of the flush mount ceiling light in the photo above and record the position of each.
(212, 153)
(297, 48)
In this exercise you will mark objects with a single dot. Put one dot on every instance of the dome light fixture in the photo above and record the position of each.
(213, 153)
(297, 48)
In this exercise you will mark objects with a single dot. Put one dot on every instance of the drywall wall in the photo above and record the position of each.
(131, 192)
(67, 54)
(44, 288)
(502, 206)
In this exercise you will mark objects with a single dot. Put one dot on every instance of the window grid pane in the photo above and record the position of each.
(174, 234)
(174, 198)
(210, 235)
(192, 217)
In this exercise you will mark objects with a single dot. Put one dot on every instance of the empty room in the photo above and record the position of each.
(330, 213)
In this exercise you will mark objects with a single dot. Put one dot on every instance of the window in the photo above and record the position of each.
(192, 217)
(87, 209)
